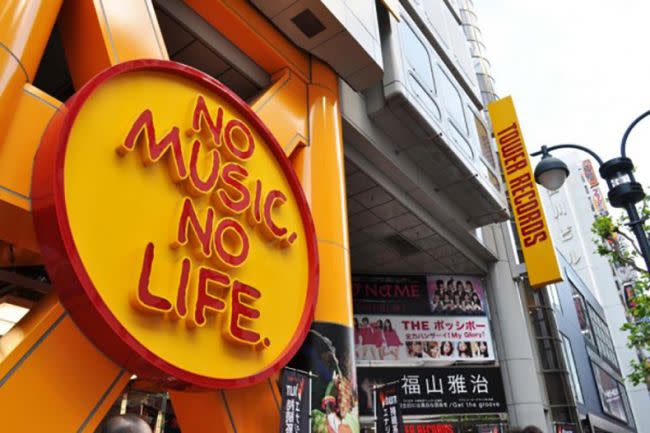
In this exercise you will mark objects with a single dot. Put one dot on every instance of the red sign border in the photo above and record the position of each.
(65, 268)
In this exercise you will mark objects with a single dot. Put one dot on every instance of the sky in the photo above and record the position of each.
(578, 71)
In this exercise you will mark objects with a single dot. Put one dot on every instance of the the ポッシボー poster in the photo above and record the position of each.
(434, 318)
(433, 391)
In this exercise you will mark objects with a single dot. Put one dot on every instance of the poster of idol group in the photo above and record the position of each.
(427, 317)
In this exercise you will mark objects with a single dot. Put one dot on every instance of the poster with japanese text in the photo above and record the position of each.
(423, 318)
(388, 413)
(433, 391)
(295, 389)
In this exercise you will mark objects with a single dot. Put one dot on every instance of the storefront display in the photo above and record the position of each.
(432, 318)
(433, 391)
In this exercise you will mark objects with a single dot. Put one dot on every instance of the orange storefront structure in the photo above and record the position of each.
(116, 192)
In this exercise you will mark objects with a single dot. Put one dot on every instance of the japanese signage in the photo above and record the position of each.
(436, 318)
(525, 202)
(295, 390)
(165, 226)
(429, 427)
(388, 413)
(432, 391)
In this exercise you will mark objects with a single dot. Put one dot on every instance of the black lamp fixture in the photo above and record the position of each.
(624, 191)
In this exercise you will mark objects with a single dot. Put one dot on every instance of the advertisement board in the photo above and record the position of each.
(295, 388)
(388, 413)
(433, 317)
(525, 203)
(434, 391)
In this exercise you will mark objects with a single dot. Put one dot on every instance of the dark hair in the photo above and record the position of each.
(365, 319)
(128, 423)
(531, 429)
(442, 348)
(387, 325)
(439, 282)
(459, 283)
(356, 323)
(380, 324)
(468, 282)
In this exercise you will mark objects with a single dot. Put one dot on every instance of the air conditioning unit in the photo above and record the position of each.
(430, 116)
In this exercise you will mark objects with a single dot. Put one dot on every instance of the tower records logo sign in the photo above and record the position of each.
(526, 205)
(174, 227)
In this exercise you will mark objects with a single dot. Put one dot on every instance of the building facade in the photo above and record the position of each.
(362, 129)
(572, 211)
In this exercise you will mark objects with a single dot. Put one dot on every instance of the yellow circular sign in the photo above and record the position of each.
(174, 227)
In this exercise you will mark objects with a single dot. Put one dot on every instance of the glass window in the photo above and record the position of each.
(583, 317)
(484, 139)
(603, 338)
(417, 56)
(553, 297)
(452, 100)
(611, 394)
(567, 352)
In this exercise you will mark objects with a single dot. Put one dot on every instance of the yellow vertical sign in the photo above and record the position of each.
(536, 243)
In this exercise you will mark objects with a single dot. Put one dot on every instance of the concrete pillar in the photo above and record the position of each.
(525, 393)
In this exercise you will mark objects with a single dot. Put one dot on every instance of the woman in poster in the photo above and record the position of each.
(434, 349)
(379, 339)
(447, 350)
(392, 340)
(357, 339)
(368, 339)
(464, 350)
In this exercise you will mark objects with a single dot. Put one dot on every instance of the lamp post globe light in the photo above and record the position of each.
(623, 190)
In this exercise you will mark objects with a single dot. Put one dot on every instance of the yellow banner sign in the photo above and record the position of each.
(536, 243)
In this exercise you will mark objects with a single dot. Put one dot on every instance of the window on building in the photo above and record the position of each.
(603, 338)
(567, 352)
(583, 316)
(484, 140)
(451, 99)
(554, 298)
(417, 56)
(612, 394)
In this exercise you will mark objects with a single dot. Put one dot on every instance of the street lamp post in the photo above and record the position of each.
(624, 191)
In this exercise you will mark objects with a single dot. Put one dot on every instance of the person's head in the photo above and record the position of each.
(440, 285)
(482, 348)
(128, 423)
(447, 348)
(387, 325)
(364, 322)
(434, 349)
(469, 285)
(436, 299)
(450, 284)
(380, 324)
(459, 285)
(463, 348)
(417, 349)
(476, 299)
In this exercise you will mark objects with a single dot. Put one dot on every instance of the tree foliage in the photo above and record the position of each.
(615, 241)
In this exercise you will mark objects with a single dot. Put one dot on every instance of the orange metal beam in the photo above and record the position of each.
(329, 210)
(98, 34)
(46, 363)
(25, 28)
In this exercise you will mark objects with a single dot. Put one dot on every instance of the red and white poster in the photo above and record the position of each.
(437, 318)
